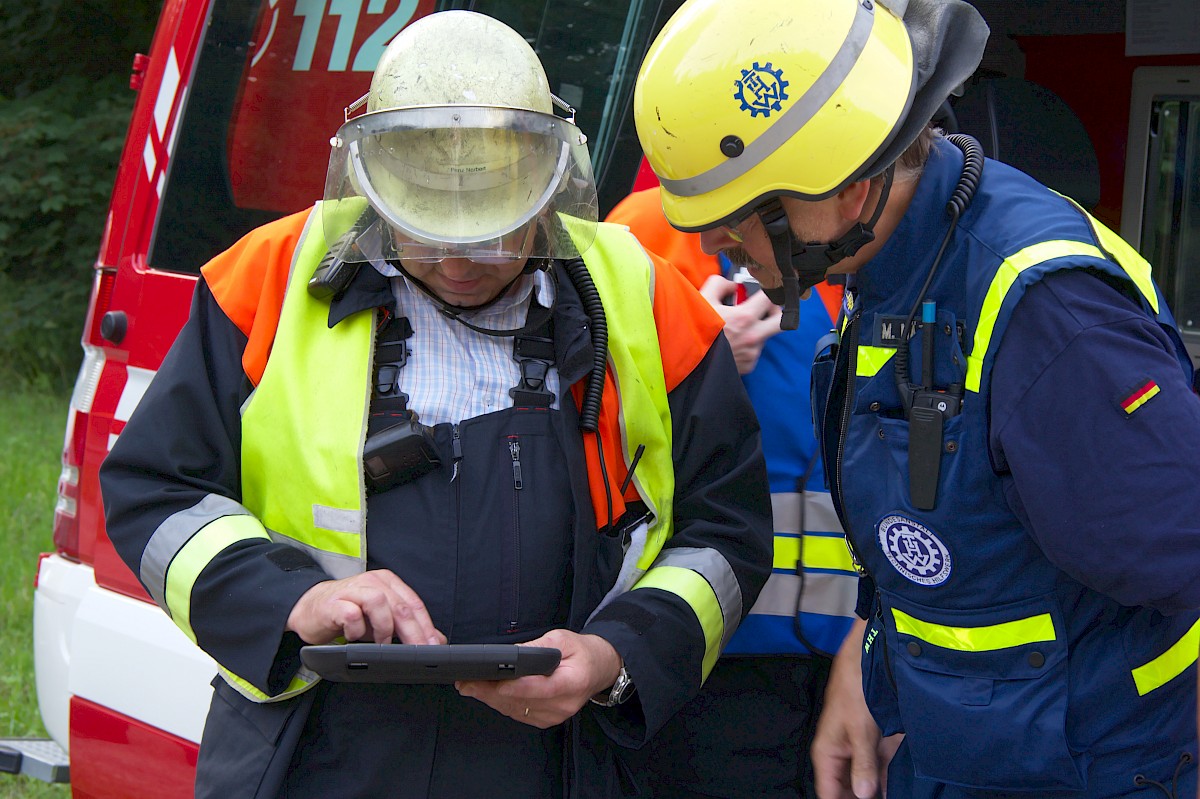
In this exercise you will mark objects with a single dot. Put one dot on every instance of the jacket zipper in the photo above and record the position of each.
(456, 448)
(514, 452)
(847, 410)
(850, 348)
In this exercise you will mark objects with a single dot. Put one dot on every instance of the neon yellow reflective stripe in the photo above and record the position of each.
(298, 685)
(1169, 664)
(197, 553)
(871, 360)
(1136, 267)
(978, 639)
(1006, 275)
(820, 552)
(624, 277)
(700, 597)
(296, 453)
(787, 551)
(827, 552)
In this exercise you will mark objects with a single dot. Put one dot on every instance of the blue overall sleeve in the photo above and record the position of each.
(1097, 426)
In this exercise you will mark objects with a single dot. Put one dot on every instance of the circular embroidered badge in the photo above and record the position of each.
(761, 90)
(915, 552)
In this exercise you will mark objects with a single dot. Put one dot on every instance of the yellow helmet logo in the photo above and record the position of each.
(815, 88)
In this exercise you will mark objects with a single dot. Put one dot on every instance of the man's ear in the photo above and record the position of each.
(852, 199)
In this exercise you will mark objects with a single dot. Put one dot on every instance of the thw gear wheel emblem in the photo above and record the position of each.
(914, 551)
(761, 90)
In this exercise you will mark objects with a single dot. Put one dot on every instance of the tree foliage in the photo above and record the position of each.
(64, 109)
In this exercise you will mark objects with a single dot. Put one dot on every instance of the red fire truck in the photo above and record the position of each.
(237, 100)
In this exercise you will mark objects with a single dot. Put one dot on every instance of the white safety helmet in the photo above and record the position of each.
(459, 153)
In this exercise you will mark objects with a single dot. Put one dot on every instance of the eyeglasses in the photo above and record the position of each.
(731, 228)
(508, 249)
(733, 233)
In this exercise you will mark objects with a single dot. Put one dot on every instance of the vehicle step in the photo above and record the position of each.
(40, 758)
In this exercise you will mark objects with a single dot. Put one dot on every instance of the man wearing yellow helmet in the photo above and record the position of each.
(444, 405)
(1005, 410)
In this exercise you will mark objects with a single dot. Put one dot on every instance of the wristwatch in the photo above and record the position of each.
(621, 690)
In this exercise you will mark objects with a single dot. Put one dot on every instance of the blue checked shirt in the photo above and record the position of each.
(454, 373)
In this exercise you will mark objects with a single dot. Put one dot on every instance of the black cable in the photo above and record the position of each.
(589, 408)
(604, 479)
(960, 198)
(802, 489)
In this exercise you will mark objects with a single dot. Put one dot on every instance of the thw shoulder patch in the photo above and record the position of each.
(1145, 392)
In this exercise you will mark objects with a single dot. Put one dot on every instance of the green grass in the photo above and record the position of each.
(31, 435)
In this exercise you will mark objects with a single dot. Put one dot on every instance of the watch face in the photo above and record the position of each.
(622, 688)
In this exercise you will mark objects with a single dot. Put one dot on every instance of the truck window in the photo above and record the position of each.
(1162, 217)
(273, 78)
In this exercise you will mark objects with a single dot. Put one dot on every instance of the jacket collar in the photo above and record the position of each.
(572, 339)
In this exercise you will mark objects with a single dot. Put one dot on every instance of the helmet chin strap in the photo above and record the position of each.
(532, 321)
(803, 264)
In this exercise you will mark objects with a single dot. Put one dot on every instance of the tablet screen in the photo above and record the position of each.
(425, 664)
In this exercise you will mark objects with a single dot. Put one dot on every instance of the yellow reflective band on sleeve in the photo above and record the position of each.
(1169, 664)
(820, 552)
(1131, 261)
(700, 597)
(197, 553)
(300, 683)
(871, 359)
(978, 639)
(1006, 275)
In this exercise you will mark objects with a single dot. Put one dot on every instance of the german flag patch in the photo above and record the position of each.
(1143, 394)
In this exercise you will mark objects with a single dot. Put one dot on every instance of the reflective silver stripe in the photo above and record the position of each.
(336, 566)
(791, 121)
(170, 537)
(338, 520)
(819, 515)
(826, 594)
(713, 567)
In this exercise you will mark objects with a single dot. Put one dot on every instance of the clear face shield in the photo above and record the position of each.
(495, 185)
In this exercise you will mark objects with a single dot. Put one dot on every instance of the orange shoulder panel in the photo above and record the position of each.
(687, 323)
(249, 280)
(642, 213)
(831, 297)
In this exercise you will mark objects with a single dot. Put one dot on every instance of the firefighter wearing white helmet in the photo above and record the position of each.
(443, 165)
(994, 338)
(437, 408)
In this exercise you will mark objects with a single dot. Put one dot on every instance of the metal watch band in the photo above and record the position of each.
(621, 690)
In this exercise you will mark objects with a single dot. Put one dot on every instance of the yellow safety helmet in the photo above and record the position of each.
(739, 101)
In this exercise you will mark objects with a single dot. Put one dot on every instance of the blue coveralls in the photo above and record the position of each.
(1015, 656)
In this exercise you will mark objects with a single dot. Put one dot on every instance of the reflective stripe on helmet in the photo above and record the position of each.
(795, 118)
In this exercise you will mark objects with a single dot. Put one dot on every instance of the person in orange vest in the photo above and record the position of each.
(445, 405)
(775, 668)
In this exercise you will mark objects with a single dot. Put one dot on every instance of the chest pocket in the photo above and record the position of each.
(983, 694)
(517, 527)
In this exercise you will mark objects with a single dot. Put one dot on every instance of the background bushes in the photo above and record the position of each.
(65, 104)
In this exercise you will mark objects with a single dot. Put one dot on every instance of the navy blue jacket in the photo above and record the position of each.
(1036, 630)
